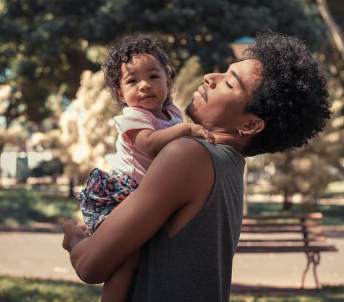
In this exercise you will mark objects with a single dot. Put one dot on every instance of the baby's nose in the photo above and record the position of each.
(144, 85)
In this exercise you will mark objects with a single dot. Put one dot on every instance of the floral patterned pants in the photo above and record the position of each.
(102, 194)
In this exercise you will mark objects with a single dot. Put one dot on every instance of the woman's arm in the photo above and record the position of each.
(151, 142)
(175, 180)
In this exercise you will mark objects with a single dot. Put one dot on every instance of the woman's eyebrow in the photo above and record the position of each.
(241, 83)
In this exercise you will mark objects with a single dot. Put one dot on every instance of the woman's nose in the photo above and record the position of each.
(210, 79)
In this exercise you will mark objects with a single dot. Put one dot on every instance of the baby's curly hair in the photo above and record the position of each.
(123, 52)
(292, 97)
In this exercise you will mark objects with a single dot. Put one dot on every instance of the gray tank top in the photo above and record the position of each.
(196, 264)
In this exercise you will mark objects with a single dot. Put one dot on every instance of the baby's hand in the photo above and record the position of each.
(200, 132)
(73, 234)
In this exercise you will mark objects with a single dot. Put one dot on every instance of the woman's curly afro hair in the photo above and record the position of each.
(124, 51)
(292, 97)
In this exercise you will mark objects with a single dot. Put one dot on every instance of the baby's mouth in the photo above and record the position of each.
(146, 97)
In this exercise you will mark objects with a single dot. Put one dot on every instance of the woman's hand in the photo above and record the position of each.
(73, 234)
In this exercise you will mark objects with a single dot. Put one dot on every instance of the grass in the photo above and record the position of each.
(23, 206)
(334, 189)
(35, 290)
(329, 294)
(27, 206)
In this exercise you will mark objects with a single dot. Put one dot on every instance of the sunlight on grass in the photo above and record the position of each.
(332, 214)
(23, 206)
(34, 290)
(335, 188)
(327, 294)
(28, 206)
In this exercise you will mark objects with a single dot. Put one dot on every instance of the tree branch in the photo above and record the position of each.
(326, 15)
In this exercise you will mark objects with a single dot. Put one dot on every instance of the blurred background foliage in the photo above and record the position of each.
(51, 89)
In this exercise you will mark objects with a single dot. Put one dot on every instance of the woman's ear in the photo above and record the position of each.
(252, 126)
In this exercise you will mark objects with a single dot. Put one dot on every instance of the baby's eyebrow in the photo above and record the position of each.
(132, 73)
(153, 69)
(129, 74)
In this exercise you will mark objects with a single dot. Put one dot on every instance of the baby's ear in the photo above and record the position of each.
(170, 72)
(119, 94)
(169, 83)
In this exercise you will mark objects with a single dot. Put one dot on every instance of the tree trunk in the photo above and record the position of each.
(2, 145)
(71, 187)
(326, 15)
(287, 203)
(245, 210)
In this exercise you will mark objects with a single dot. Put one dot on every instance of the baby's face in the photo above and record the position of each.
(144, 83)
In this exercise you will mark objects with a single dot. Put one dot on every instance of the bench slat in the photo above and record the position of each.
(257, 230)
(315, 215)
(307, 224)
(296, 233)
(315, 239)
(287, 249)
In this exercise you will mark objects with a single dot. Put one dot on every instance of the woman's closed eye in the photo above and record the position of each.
(229, 85)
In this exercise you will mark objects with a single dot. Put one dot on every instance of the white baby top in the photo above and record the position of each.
(129, 159)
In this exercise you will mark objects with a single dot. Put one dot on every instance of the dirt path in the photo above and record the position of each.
(40, 255)
(35, 255)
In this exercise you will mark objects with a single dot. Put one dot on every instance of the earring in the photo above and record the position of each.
(240, 132)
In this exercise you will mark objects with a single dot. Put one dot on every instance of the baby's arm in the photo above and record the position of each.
(151, 142)
(117, 287)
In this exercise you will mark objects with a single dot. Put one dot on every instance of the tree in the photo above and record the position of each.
(205, 28)
(190, 76)
(87, 129)
(308, 171)
(10, 109)
(12, 127)
(44, 47)
(46, 44)
(52, 168)
(303, 171)
(334, 29)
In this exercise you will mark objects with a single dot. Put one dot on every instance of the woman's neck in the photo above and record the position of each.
(232, 139)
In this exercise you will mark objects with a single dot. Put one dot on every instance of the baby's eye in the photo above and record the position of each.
(131, 81)
(154, 76)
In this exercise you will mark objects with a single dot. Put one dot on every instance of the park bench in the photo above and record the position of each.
(286, 234)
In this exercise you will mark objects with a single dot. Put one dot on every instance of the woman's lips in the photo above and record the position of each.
(203, 92)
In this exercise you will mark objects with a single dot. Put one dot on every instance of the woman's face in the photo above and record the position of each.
(219, 103)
